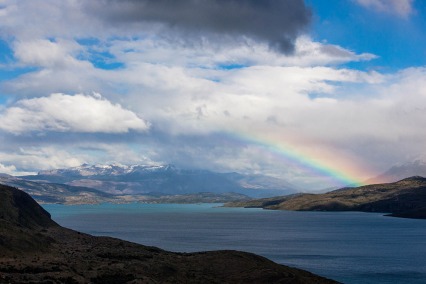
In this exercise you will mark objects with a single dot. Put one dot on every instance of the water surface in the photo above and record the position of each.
(351, 247)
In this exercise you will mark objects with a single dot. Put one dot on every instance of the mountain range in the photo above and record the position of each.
(165, 184)
(164, 179)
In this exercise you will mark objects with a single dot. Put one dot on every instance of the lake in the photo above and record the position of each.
(350, 247)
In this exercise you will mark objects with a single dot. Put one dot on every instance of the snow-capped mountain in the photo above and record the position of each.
(401, 171)
(163, 179)
(87, 170)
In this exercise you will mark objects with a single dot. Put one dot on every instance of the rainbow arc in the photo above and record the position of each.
(290, 154)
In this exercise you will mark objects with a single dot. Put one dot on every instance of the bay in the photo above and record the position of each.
(351, 247)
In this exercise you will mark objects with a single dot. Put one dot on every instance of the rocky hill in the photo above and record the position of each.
(34, 249)
(21, 220)
(405, 198)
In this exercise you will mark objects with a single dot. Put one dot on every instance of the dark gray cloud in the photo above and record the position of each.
(276, 22)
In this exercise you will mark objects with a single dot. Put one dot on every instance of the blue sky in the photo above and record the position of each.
(397, 40)
(338, 83)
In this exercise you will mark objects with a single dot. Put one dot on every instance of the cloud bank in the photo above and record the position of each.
(66, 113)
(276, 22)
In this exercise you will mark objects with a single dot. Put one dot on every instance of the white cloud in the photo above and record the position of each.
(311, 53)
(32, 159)
(47, 53)
(37, 19)
(152, 65)
(10, 170)
(307, 53)
(246, 98)
(402, 8)
(66, 113)
(28, 159)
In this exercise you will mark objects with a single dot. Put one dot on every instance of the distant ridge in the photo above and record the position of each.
(165, 179)
(405, 198)
(401, 171)
(45, 192)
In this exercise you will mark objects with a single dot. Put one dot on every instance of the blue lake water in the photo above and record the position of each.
(350, 247)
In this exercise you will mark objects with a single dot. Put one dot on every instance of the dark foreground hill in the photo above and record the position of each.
(405, 198)
(34, 249)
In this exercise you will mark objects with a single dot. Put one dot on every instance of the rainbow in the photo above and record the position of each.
(291, 155)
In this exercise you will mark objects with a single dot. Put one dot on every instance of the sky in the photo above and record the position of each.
(319, 93)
